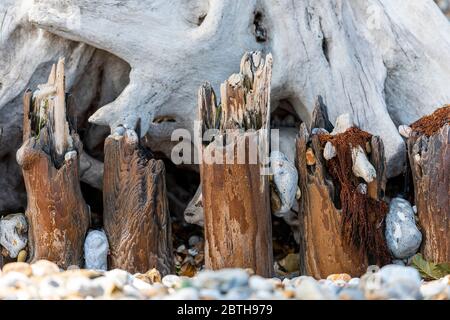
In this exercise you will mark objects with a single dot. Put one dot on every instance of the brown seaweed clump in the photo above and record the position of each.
(362, 216)
(431, 124)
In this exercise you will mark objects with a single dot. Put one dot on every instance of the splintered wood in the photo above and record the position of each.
(429, 157)
(236, 201)
(136, 214)
(57, 214)
(335, 239)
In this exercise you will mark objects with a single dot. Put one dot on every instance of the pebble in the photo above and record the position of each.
(258, 283)
(309, 289)
(354, 282)
(362, 188)
(20, 267)
(340, 276)
(119, 277)
(315, 131)
(329, 151)
(43, 268)
(285, 178)
(185, 294)
(171, 281)
(310, 157)
(96, 249)
(434, 289)
(193, 240)
(403, 238)
(44, 280)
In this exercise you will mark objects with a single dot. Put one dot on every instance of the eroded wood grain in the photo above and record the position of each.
(429, 158)
(136, 215)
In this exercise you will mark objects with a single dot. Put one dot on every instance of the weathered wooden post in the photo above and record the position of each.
(57, 214)
(236, 201)
(429, 157)
(340, 214)
(136, 212)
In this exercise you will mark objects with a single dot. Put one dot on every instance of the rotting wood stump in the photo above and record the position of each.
(57, 214)
(136, 212)
(429, 157)
(341, 215)
(237, 216)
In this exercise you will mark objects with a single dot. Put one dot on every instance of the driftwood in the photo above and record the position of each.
(324, 237)
(136, 213)
(429, 157)
(235, 199)
(57, 214)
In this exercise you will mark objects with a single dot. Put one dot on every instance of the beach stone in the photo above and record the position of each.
(210, 294)
(401, 282)
(298, 280)
(52, 288)
(171, 281)
(309, 289)
(315, 131)
(84, 287)
(42, 268)
(193, 240)
(262, 295)
(20, 267)
(14, 279)
(151, 276)
(285, 178)
(96, 249)
(403, 238)
(354, 282)
(223, 280)
(340, 276)
(119, 277)
(241, 293)
(258, 283)
(185, 294)
(130, 291)
(437, 289)
(350, 294)
(329, 151)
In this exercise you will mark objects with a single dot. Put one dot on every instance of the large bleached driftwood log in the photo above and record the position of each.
(429, 157)
(341, 215)
(57, 215)
(136, 213)
(235, 192)
(366, 57)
